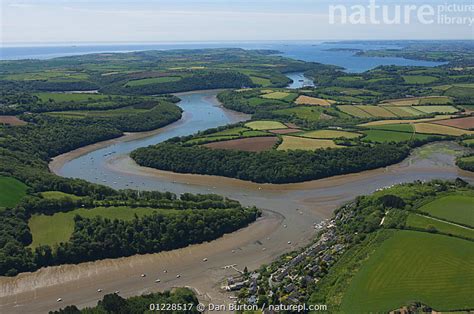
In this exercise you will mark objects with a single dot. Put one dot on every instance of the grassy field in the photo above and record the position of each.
(56, 195)
(212, 138)
(455, 208)
(376, 111)
(11, 191)
(384, 122)
(329, 134)
(308, 113)
(265, 125)
(419, 79)
(232, 131)
(395, 127)
(354, 111)
(404, 111)
(382, 136)
(414, 266)
(58, 228)
(261, 81)
(430, 128)
(436, 109)
(276, 95)
(440, 100)
(424, 222)
(154, 80)
(294, 143)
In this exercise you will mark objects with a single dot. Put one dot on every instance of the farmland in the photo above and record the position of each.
(419, 79)
(413, 258)
(455, 208)
(430, 128)
(265, 125)
(428, 223)
(52, 230)
(306, 100)
(295, 143)
(462, 123)
(329, 134)
(11, 191)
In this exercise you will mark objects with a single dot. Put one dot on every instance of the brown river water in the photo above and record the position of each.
(290, 211)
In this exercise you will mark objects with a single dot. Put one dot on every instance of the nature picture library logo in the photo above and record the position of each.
(391, 13)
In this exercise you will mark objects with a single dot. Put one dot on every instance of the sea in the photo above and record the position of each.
(342, 54)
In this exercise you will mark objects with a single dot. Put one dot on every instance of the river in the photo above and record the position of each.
(290, 213)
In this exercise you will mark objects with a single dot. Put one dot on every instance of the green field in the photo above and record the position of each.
(154, 80)
(11, 191)
(56, 195)
(404, 111)
(376, 111)
(382, 136)
(354, 111)
(419, 79)
(427, 223)
(455, 208)
(436, 109)
(276, 95)
(435, 100)
(395, 127)
(79, 114)
(232, 131)
(51, 230)
(308, 113)
(261, 81)
(414, 266)
(295, 143)
(265, 125)
(330, 134)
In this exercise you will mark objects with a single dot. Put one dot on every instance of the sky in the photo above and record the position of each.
(85, 21)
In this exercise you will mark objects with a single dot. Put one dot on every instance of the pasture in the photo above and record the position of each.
(330, 134)
(436, 109)
(404, 111)
(265, 125)
(354, 111)
(419, 79)
(295, 143)
(376, 111)
(11, 191)
(457, 208)
(383, 122)
(382, 136)
(428, 223)
(431, 128)
(308, 113)
(395, 127)
(414, 266)
(51, 230)
(56, 195)
(279, 96)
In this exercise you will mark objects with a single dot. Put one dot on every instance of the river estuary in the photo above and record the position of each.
(290, 213)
